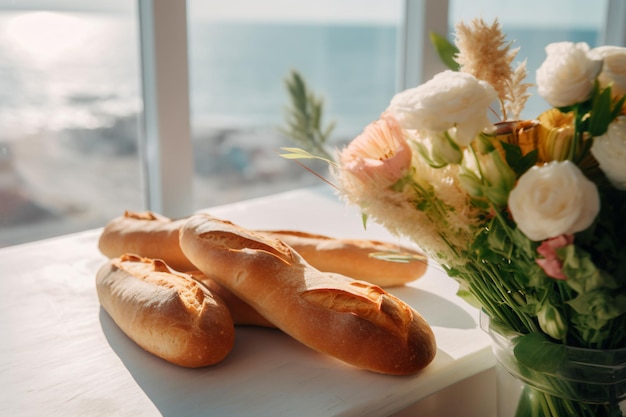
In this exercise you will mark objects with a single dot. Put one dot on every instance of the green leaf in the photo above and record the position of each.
(445, 50)
(602, 110)
(617, 110)
(582, 274)
(469, 298)
(601, 114)
(470, 183)
(329, 128)
(537, 352)
(297, 153)
(585, 146)
(431, 160)
(599, 303)
(484, 143)
(518, 162)
(364, 218)
(499, 241)
(400, 257)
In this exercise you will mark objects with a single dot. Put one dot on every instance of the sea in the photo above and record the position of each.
(79, 70)
(70, 100)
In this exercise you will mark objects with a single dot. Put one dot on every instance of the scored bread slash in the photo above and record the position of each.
(354, 321)
(167, 313)
(366, 301)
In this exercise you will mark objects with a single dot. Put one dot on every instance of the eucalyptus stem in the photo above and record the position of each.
(304, 118)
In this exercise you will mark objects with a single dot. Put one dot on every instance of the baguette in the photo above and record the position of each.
(145, 234)
(356, 257)
(354, 321)
(167, 313)
(242, 313)
(155, 236)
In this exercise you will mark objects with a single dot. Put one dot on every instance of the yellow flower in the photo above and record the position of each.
(556, 131)
(524, 133)
(379, 156)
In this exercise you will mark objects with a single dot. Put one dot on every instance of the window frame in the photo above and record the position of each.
(166, 151)
(165, 136)
(614, 29)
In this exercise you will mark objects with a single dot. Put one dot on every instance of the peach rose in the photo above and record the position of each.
(380, 155)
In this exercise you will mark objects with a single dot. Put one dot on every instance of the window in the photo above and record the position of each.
(68, 118)
(241, 52)
(534, 25)
(70, 111)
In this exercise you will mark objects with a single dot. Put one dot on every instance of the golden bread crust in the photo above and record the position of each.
(352, 320)
(167, 313)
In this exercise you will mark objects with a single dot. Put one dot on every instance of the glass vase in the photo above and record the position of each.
(584, 382)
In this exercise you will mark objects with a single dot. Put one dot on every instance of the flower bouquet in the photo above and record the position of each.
(527, 215)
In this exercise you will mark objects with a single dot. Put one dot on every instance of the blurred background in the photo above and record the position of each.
(71, 99)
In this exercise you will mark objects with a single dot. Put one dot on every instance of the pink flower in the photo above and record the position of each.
(550, 263)
(380, 155)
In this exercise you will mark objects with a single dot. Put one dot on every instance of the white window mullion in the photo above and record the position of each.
(167, 151)
(418, 60)
(614, 28)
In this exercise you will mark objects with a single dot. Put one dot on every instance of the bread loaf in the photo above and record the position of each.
(155, 236)
(356, 258)
(352, 320)
(169, 314)
(242, 313)
(145, 234)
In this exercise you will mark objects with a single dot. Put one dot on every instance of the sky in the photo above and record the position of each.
(509, 12)
(579, 13)
(69, 5)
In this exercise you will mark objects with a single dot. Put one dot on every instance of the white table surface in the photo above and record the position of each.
(62, 355)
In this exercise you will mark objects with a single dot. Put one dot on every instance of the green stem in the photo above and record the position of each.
(577, 138)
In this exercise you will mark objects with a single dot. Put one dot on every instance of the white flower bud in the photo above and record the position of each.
(551, 322)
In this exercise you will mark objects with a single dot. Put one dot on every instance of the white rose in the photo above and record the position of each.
(552, 200)
(610, 152)
(450, 99)
(614, 68)
(567, 75)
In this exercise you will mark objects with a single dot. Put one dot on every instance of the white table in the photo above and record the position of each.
(61, 354)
